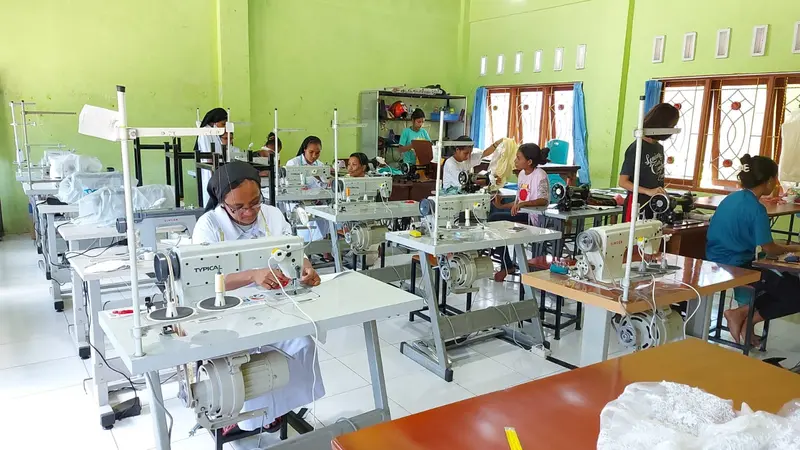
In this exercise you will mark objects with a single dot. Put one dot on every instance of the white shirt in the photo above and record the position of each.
(204, 143)
(453, 168)
(217, 226)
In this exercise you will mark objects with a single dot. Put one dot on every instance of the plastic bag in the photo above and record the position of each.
(666, 416)
(76, 186)
(502, 162)
(104, 206)
(62, 166)
(790, 149)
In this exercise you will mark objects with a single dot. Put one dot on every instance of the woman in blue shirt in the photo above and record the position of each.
(741, 224)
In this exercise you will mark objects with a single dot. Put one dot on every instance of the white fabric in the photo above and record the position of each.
(215, 226)
(502, 162)
(790, 149)
(531, 187)
(667, 416)
(62, 166)
(79, 184)
(453, 168)
(104, 206)
(318, 229)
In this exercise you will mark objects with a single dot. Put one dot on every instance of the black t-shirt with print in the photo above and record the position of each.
(651, 173)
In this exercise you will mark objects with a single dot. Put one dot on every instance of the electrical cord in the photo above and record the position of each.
(316, 336)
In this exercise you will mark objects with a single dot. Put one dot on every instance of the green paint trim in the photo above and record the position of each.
(623, 90)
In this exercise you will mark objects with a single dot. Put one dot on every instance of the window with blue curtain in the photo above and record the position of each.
(580, 133)
(478, 123)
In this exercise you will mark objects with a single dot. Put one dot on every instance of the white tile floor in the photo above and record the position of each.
(44, 403)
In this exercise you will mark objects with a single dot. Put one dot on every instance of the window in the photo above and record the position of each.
(537, 113)
(722, 119)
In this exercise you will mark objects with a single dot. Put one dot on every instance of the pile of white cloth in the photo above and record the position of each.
(667, 416)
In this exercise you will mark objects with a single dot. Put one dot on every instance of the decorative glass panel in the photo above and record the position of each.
(531, 115)
(741, 111)
(681, 149)
(497, 125)
(562, 119)
(792, 100)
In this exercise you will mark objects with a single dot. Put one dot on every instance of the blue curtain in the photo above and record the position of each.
(476, 128)
(579, 133)
(652, 94)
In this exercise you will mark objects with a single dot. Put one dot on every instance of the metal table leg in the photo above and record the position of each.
(160, 429)
(376, 367)
(96, 337)
(596, 334)
(434, 359)
(79, 310)
(700, 322)
(337, 255)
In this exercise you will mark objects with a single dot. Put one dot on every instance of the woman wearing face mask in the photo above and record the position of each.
(235, 212)
(738, 226)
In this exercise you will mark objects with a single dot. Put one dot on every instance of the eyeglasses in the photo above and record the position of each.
(254, 207)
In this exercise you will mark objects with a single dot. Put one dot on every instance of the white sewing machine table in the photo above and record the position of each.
(256, 324)
(43, 188)
(366, 211)
(481, 324)
(36, 177)
(100, 373)
(80, 238)
(52, 247)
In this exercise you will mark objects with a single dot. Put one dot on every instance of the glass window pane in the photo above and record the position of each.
(531, 104)
(681, 149)
(742, 110)
(792, 100)
(562, 119)
(497, 125)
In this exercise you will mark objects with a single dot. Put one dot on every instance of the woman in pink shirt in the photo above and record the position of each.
(533, 189)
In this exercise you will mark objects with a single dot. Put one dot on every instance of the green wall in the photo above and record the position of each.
(707, 17)
(510, 26)
(170, 54)
(308, 57)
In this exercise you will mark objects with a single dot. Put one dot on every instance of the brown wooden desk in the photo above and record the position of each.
(777, 264)
(600, 304)
(412, 190)
(563, 411)
(688, 240)
(774, 211)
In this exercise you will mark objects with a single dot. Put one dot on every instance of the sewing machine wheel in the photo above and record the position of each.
(634, 331)
(444, 268)
(463, 178)
(582, 266)
(427, 207)
(660, 203)
(588, 241)
(208, 304)
(160, 315)
(559, 191)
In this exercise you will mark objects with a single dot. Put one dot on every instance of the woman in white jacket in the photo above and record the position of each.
(308, 155)
(234, 212)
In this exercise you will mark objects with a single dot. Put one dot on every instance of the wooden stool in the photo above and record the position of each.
(540, 263)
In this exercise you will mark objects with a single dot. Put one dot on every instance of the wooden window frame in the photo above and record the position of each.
(711, 114)
(546, 120)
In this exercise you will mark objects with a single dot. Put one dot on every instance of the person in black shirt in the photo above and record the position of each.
(651, 174)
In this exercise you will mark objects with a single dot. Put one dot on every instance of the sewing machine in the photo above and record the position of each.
(150, 223)
(366, 189)
(665, 208)
(451, 207)
(293, 179)
(603, 249)
(570, 197)
(469, 181)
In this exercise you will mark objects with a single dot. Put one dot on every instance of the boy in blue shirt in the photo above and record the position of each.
(741, 224)
(413, 133)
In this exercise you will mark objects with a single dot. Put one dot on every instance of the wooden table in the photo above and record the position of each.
(777, 264)
(412, 190)
(563, 411)
(687, 240)
(774, 210)
(600, 304)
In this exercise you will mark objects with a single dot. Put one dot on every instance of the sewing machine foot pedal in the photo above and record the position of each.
(128, 408)
(58, 305)
(84, 352)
